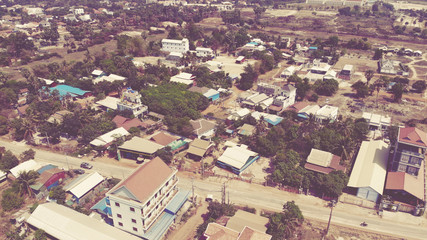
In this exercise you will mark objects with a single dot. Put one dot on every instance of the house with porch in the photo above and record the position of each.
(237, 159)
(323, 162)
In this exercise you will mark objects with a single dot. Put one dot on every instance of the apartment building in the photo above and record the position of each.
(140, 199)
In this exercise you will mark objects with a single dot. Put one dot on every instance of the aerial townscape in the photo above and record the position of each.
(213, 120)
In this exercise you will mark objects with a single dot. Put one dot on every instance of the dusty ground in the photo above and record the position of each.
(313, 229)
(187, 230)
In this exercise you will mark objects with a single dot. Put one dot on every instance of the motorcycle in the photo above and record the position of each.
(363, 224)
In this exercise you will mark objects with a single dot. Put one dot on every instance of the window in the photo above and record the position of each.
(155, 195)
(135, 229)
(167, 183)
(148, 203)
(133, 220)
(401, 168)
(120, 224)
(117, 204)
(412, 171)
(132, 209)
(119, 215)
(142, 211)
(149, 215)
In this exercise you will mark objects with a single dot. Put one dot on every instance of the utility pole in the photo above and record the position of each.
(223, 194)
(332, 204)
(192, 188)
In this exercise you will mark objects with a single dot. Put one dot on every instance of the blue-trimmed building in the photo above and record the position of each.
(237, 159)
(66, 90)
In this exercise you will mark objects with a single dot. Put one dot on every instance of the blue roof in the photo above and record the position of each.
(275, 122)
(102, 207)
(177, 202)
(159, 227)
(65, 89)
(312, 48)
(47, 167)
(253, 43)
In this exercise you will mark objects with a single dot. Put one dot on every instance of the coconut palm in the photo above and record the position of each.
(25, 180)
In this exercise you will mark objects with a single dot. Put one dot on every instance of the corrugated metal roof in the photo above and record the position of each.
(319, 157)
(66, 224)
(25, 166)
(109, 137)
(370, 167)
(236, 156)
(83, 186)
(138, 144)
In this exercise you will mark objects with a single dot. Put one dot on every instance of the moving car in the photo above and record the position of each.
(86, 165)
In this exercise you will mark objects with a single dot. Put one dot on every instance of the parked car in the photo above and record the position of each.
(79, 171)
(86, 165)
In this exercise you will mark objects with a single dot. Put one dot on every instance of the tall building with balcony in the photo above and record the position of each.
(410, 150)
(145, 203)
(131, 100)
(405, 181)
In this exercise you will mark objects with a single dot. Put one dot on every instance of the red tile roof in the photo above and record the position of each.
(413, 135)
(335, 165)
(127, 123)
(163, 138)
(146, 179)
(405, 182)
(297, 106)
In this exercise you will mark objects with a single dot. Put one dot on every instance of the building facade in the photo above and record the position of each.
(179, 46)
(140, 199)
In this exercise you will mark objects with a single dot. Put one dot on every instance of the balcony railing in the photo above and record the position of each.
(160, 209)
(159, 199)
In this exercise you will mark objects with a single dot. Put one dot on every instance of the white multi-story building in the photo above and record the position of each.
(138, 200)
(173, 45)
(131, 100)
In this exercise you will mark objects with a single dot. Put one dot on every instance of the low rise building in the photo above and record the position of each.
(204, 52)
(323, 162)
(199, 148)
(106, 139)
(237, 159)
(370, 169)
(62, 222)
(376, 121)
(84, 186)
(326, 113)
(203, 128)
(139, 148)
(184, 78)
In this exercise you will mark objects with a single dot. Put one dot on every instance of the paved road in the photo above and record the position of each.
(245, 193)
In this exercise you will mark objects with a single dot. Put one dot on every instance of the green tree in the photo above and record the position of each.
(27, 155)
(8, 161)
(326, 87)
(25, 180)
(282, 225)
(58, 194)
(248, 78)
(40, 234)
(369, 74)
(378, 54)
(362, 89)
(397, 91)
(303, 86)
(333, 183)
(11, 200)
(419, 86)
(4, 128)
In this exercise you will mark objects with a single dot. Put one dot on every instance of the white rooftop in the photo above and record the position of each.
(370, 167)
(85, 184)
(347, 67)
(326, 111)
(141, 145)
(97, 72)
(310, 109)
(25, 167)
(109, 102)
(319, 157)
(109, 137)
(236, 156)
(66, 224)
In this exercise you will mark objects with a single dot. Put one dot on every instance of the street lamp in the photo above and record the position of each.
(332, 205)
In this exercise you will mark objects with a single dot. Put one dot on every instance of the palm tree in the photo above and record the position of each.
(25, 180)
(369, 75)
(29, 129)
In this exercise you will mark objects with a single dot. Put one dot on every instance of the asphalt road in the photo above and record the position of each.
(246, 194)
